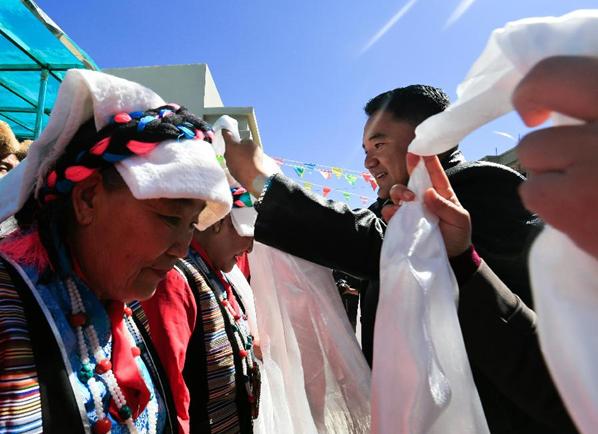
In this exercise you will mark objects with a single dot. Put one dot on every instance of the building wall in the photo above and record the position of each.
(507, 158)
(191, 86)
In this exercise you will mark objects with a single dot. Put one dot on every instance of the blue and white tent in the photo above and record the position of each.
(34, 56)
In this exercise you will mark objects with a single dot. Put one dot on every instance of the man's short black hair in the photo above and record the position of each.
(413, 104)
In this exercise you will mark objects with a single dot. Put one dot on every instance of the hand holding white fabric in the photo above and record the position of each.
(454, 220)
(421, 381)
(485, 93)
(564, 278)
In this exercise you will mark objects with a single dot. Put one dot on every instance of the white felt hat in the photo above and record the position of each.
(244, 220)
(175, 169)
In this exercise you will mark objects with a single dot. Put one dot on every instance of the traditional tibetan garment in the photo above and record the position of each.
(52, 380)
(221, 344)
(214, 362)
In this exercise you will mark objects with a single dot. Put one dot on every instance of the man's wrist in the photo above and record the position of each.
(465, 265)
(264, 182)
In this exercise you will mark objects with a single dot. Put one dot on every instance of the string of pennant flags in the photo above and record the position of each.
(347, 195)
(351, 176)
(329, 173)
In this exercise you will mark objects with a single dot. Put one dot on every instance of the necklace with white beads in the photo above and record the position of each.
(103, 368)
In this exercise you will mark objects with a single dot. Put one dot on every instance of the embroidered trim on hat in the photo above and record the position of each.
(241, 198)
(127, 134)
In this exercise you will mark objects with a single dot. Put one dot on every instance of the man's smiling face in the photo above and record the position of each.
(385, 142)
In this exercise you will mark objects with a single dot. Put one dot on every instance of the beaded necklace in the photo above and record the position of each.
(103, 367)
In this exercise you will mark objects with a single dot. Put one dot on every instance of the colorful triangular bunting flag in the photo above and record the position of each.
(337, 171)
(325, 173)
(351, 179)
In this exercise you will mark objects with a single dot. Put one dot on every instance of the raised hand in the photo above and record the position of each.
(245, 161)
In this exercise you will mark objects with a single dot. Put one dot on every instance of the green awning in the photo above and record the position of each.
(34, 55)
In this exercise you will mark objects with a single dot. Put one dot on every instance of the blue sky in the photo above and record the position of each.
(309, 66)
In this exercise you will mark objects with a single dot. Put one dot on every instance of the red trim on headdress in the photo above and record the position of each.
(52, 177)
(100, 147)
(78, 173)
(122, 118)
(141, 148)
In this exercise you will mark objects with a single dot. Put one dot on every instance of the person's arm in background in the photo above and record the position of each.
(503, 230)
(296, 221)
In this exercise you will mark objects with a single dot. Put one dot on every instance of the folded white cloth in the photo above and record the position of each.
(180, 169)
(187, 169)
(7, 226)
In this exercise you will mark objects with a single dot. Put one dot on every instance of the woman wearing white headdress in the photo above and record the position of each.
(106, 201)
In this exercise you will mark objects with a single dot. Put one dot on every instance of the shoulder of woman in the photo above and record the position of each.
(173, 299)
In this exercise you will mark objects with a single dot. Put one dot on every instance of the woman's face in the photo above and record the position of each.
(223, 244)
(7, 163)
(125, 246)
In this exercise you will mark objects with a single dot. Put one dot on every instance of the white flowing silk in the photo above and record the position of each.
(421, 380)
(317, 378)
(565, 284)
(564, 278)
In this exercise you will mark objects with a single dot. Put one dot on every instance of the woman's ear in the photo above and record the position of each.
(217, 227)
(85, 196)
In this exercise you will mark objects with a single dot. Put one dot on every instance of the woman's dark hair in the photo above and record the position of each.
(52, 211)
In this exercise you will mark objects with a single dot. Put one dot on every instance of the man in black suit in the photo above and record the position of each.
(498, 327)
